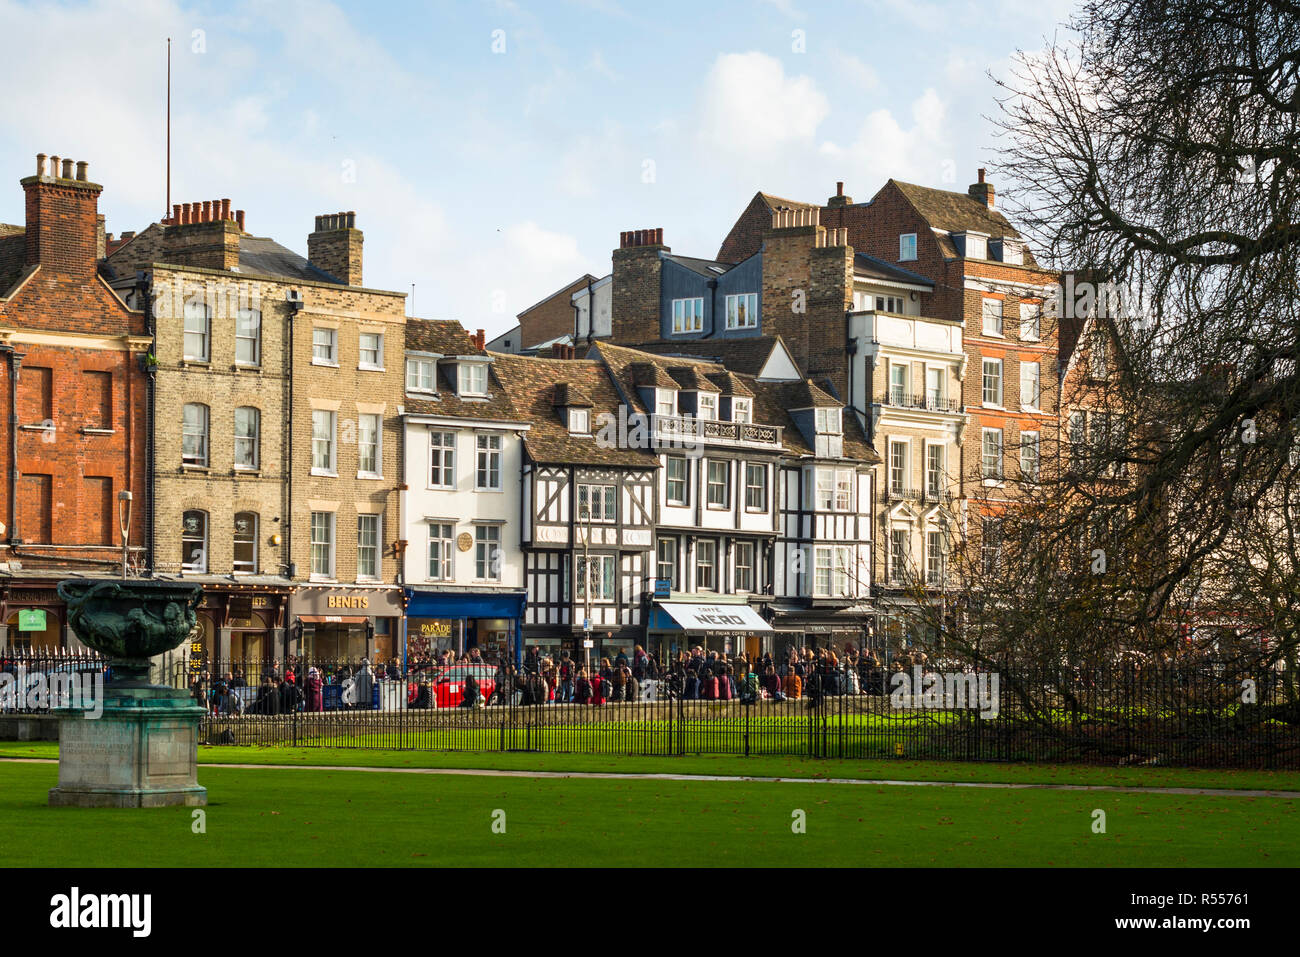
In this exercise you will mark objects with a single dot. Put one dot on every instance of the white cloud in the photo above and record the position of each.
(748, 103)
(883, 147)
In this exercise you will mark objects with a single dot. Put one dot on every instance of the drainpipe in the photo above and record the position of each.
(15, 362)
(145, 286)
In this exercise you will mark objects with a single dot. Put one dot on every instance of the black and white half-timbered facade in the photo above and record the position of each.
(587, 511)
(824, 540)
(715, 529)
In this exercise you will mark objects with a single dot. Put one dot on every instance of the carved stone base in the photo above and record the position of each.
(141, 752)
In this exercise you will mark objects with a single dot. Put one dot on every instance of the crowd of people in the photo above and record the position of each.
(697, 674)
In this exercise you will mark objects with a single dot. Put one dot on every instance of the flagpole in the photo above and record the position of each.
(167, 209)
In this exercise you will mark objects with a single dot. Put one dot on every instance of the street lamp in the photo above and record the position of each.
(124, 522)
(584, 512)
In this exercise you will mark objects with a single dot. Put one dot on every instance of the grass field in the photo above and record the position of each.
(290, 816)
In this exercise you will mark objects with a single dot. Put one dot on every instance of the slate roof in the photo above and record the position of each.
(879, 269)
(745, 355)
(701, 266)
(531, 382)
(263, 256)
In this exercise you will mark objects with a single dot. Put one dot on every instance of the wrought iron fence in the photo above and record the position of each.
(29, 679)
(1224, 714)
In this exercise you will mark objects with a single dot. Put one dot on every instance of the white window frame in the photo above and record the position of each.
(829, 421)
(898, 382)
(710, 484)
(757, 489)
(1031, 385)
(843, 490)
(935, 469)
(669, 561)
(994, 379)
(1030, 455)
(331, 448)
(488, 452)
(246, 319)
(580, 421)
(487, 562)
(707, 406)
(711, 546)
(197, 322)
(899, 556)
(467, 376)
(934, 557)
(378, 350)
(330, 346)
(906, 247)
(687, 321)
(378, 470)
(934, 396)
(996, 473)
(745, 586)
(202, 430)
(1031, 315)
(992, 316)
(442, 459)
(684, 480)
(748, 301)
(899, 450)
(236, 566)
(597, 503)
(442, 540)
(378, 546)
(317, 540)
(250, 442)
(422, 370)
(665, 402)
(199, 567)
(742, 410)
(608, 577)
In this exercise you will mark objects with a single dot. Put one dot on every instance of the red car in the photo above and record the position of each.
(449, 685)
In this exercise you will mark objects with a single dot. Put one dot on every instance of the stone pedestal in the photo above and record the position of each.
(141, 752)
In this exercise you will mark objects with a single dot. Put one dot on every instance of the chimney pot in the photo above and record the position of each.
(839, 188)
(176, 212)
(239, 219)
(82, 167)
(185, 214)
(54, 167)
(225, 209)
(352, 219)
(207, 211)
(982, 174)
(40, 164)
(67, 169)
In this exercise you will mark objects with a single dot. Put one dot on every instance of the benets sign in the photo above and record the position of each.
(725, 618)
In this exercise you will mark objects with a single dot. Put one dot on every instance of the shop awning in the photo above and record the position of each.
(730, 619)
(333, 619)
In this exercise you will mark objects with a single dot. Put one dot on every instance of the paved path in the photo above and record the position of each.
(618, 776)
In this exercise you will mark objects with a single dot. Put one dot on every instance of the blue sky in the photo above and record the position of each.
(490, 168)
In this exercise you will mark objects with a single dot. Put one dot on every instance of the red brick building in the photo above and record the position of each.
(73, 404)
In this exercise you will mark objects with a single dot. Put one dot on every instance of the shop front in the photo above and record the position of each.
(237, 623)
(832, 626)
(460, 621)
(728, 629)
(32, 618)
(346, 623)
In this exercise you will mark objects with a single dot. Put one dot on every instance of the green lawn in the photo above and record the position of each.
(270, 817)
(757, 766)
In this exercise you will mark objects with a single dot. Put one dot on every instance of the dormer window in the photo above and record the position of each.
(580, 421)
(829, 422)
(665, 402)
(973, 245)
(708, 406)
(742, 410)
(473, 378)
(421, 374)
(1010, 250)
(742, 311)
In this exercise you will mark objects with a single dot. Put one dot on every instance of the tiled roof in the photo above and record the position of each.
(710, 268)
(530, 383)
(955, 212)
(651, 374)
(13, 249)
(747, 355)
(445, 337)
(729, 384)
(692, 378)
(568, 394)
(772, 400)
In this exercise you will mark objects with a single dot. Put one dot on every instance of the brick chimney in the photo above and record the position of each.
(839, 199)
(480, 340)
(637, 269)
(335, 247)
(204, 234)
(982, 191)
(62, 217)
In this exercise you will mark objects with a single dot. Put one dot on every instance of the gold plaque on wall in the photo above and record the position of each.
(465, 541)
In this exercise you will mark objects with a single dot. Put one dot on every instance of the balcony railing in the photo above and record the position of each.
(921, 400)
(675, 427)
(903, 493)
